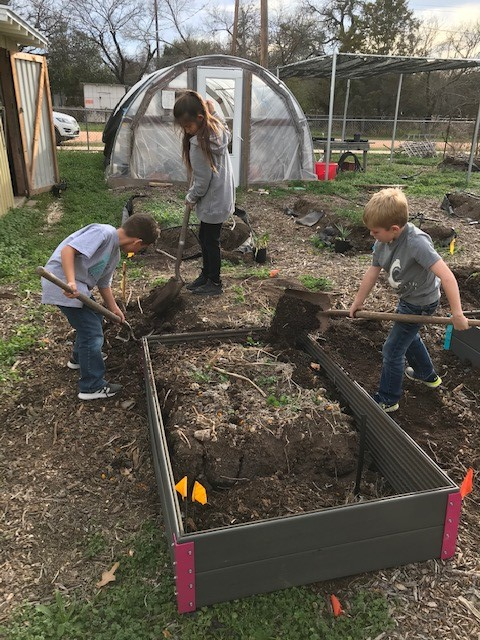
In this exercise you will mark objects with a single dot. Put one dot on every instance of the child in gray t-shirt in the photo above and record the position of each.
(88, 258)
(415, 272)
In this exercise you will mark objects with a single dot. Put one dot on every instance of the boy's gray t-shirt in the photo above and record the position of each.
(407, 261)
(98, 257)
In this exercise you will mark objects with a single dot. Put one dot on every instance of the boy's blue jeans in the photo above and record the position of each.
(87, 348)
(403, 342)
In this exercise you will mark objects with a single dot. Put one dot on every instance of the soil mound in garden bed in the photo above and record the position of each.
(256, 426)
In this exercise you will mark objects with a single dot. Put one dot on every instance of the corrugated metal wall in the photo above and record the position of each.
(6, 193)
(34, 102)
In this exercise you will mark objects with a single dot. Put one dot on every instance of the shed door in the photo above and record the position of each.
(224, 87)
(6, 193)
(32, 93)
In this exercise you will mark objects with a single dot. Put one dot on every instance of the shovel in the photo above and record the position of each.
(88, 302)
(167, 294)
(322, 300)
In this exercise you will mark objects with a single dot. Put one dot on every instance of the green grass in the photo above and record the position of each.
(316, 284)
(24, 338)
(431, 182)
(140, 605)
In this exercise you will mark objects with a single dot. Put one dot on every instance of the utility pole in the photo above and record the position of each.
(264, 33)
(157, 43)
(235, 29)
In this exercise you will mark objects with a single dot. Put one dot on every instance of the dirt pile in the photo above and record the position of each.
(293, 316)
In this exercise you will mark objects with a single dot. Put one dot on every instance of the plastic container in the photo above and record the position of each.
(320, 170)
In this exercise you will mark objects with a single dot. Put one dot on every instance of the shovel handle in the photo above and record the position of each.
(396, 317)
(88, 302)
(181, 242)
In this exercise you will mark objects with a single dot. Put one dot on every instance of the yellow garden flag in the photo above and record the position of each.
(181, 487)
(199, 493)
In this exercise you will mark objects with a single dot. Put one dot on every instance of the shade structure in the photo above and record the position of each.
(362, 65)
(271, 139)
(368, 65)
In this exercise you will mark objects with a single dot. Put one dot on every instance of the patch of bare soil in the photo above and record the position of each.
(71, 471)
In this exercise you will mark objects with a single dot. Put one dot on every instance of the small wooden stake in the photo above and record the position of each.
(124, 283)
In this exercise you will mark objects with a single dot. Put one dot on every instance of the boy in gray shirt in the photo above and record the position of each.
(88, 258)
(415, 272)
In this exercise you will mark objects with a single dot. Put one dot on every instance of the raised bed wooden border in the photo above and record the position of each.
(246, 559)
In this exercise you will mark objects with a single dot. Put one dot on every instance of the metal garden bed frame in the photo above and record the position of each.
(226, 563)
(466, 346)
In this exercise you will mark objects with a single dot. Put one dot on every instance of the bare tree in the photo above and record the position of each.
(427, 40)
(464, 42)
(220, 23)
(45, 15)
(124, 32)
(178, 18)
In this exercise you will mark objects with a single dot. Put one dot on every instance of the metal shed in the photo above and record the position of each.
(271, 139)
(28, 161)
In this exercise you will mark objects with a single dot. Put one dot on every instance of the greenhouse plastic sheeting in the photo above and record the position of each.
(147, 146)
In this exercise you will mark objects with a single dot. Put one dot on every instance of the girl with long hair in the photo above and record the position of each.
(212, 188)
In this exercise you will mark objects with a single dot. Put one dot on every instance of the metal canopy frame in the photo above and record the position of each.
(364, 65)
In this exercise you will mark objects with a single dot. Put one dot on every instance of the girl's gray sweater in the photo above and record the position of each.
(213, 192)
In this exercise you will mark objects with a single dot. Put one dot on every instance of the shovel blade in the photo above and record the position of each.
(318, 299)
(165, 296)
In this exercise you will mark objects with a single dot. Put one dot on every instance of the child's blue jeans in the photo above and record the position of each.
(87, 348)
(403, 342)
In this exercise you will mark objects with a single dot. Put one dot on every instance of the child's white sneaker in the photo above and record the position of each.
(108, 391)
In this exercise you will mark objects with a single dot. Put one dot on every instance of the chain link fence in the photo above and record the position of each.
(447, 130)
(455, 134)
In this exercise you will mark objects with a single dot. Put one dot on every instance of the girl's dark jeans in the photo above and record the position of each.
(87, 348)
(403, 342)
(209, 237)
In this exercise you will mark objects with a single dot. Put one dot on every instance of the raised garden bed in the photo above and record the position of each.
(410, 516)
(466, 346)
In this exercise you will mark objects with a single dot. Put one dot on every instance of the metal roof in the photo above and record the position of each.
(365, 65)
(14, 30)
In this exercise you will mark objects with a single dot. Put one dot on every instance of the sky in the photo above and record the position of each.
(449, 12)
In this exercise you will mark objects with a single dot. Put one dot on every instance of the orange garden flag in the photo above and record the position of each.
(181, 487)
(336, 606)
(467, 484)
(199, 493)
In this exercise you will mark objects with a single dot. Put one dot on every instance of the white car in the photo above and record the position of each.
(66, 127)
